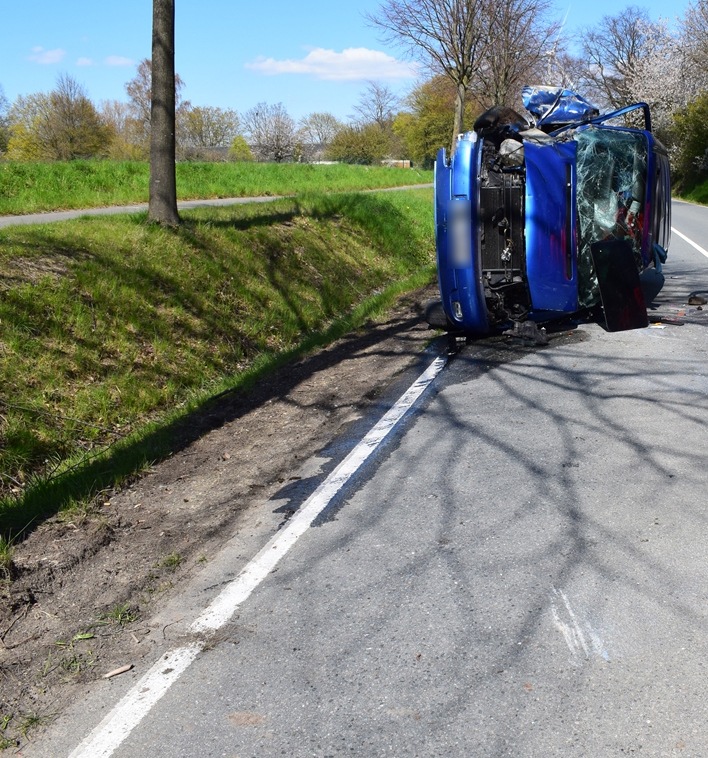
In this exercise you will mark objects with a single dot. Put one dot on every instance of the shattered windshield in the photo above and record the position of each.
(611, 193)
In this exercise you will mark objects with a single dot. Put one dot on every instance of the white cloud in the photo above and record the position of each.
(40, 55)
(118, 60)
(84, 62)
(354, 63)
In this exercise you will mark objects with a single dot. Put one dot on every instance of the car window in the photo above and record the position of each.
(611, 196)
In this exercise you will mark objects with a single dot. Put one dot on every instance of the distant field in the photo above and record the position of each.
(36, 187)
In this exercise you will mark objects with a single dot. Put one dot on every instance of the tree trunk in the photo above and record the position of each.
(162, 207)
(458, 124)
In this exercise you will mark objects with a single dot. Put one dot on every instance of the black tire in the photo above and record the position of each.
(435, 315)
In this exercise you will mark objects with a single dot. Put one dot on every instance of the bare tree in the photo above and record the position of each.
(520, 40)
(561, 68)
(139, 91)
(162, 206)
(271, 132)
(377, 105)
(205, 130)
(128, 142)
(4, 121)
(316, 133)
(612, 51)
(445, 34)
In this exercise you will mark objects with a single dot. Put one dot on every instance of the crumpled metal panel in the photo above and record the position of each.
(554, 105)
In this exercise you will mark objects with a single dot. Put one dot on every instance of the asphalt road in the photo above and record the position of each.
(522, 571)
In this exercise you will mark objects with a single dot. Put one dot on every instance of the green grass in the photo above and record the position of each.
(170, 562)
(697, 194)
(6, 551)
(120, 615)
(35, 187)
(112, 330)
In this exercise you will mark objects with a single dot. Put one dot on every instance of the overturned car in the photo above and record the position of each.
(564, 214)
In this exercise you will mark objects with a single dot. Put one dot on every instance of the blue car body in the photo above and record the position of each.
(521, 208)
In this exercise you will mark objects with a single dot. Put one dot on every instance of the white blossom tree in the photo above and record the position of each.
(695, 36)
(660, 76)
(271, 132)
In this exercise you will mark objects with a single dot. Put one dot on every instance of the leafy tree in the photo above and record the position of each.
(424, 127)
(24, 118)
(691, 162)
(162, 204)
(210, 126)
(61, 125)
(271, 132)
(368, 144)
(72, 127)
(239, 150)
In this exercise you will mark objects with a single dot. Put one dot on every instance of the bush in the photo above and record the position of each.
(366, 145)
(239, 150)
(691, 134)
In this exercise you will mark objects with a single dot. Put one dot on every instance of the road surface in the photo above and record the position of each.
(521, 570)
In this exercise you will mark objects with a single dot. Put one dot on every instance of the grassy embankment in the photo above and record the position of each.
(113, 330)
(35, 187)
(698, 194)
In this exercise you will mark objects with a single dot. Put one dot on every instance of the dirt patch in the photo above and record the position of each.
(81, 592)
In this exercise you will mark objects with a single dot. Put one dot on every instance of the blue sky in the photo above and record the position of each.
(310, 55)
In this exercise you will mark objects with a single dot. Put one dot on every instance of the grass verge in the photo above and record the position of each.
(697, 194)
(35, 187)
(114, 331)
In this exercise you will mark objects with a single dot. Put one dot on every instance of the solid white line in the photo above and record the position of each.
(129, 712)
(690, 241)
(136, 704)
(225, 604)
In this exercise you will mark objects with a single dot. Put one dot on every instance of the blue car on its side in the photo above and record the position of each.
(568, 213)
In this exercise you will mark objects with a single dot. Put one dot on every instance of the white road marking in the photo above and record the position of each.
(225, 604)
(129, 712)
(690, 241)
